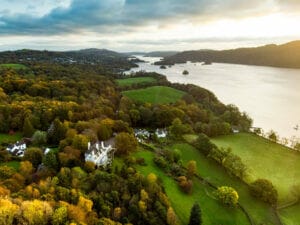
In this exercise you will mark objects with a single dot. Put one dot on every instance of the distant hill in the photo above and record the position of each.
(286, 55)
(134, 53)
(90, 56)
(161, 54)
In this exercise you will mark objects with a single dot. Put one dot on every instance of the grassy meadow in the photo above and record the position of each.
(266, 159)
(13, 164)
(260, 212)
(10, 138)
(212, 211)
(13, 66)
(155, 94)
(290, 215)
(135, 80)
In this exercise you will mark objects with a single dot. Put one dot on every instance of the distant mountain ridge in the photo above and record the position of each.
(161, 53)
(285, 55)
(92, 56)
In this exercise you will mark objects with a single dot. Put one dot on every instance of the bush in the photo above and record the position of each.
(227, 195)
(185, 184)
(203, 144)
(264, 190)
(160, 162)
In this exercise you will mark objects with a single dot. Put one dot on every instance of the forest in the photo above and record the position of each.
(63, 107)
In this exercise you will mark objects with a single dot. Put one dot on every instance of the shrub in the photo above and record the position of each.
(227, 195)
(264, 190)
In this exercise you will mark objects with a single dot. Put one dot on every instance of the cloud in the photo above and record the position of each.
(104, 16)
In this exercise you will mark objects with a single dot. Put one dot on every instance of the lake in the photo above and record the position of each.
(271, 96)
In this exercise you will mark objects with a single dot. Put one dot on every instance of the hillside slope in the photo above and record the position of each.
(286, 55)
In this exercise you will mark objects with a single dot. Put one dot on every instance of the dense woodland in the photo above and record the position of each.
(286, 55)
(64, 106)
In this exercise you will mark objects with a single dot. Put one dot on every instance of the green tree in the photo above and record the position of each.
(195, 217)
(104, 132)
(227, 195)
(80, 142)
(203, 144)
(28, 129)
(39, 138)
(264, 189)
(272, 136)
(33, 155)
(125, 143)
(50, 160)
(60, 216)
(177, 129)
(56, 132)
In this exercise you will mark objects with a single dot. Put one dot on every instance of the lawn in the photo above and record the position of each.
(290, 215)
(135, 80)
(155, 94)
(266, 159)
(261, 213)
(10, 138)
(13, 164)
(13, 66)
(212, 211)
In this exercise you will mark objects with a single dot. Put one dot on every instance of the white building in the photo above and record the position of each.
(17, 149)
(161, 133)
(100, 154)
(142, 135)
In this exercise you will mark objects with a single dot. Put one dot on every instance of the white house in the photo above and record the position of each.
(161, 133)
(100, 154)
(141, 135)
(17, 149)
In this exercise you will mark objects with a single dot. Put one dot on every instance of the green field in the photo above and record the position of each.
(266, 159)
(260, 212)
(290, 215)
(13, 164)
(135, 80)
(212, 211)
(10, 138)
(13, 66)
(155, 94)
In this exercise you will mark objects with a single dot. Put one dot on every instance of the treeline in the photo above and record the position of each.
(199, 109)
(260, 188)
(286, 55)
(102, 57)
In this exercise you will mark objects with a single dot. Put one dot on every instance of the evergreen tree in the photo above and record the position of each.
(28, 129)
(56, 132)
(50, 160)
(195, 217)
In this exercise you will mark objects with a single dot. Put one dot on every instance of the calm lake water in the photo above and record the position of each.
(271, 96)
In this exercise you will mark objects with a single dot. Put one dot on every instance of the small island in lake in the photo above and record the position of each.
(185, 72)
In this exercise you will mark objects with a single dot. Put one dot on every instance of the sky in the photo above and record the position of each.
(146, 25)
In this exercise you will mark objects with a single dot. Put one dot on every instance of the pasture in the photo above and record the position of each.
(266, 159)
(155, 95)
(135, 80)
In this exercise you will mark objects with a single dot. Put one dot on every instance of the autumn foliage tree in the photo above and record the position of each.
(227, 195)
(125, 143)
